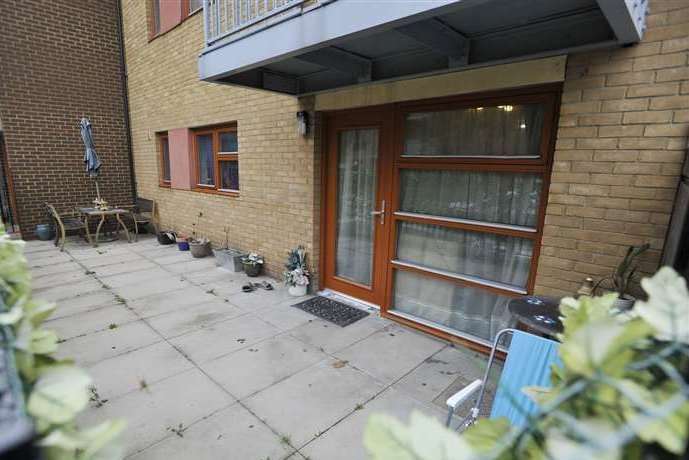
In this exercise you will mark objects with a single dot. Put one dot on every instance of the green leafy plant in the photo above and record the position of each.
(297, 272)
(55, 390)
(621, 392)
(623, 275)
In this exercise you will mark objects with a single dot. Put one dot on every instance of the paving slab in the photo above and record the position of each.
(91, 321)
(127, 372)
(190, 266)
(398, 351)
(161, 285)
(223, 338)
(332, 338)
(56, 269)
(33, 246)
(123, 267)
(107, 259)
(438, 372)
(308, 403)
(83, 303)
(74, 274)
(169, 301)
(345, 441)
(193, 317)
(91, 348)
(283, 315)
(217, 276)
(261, 365)
(174, 258)
(150, 275)
(64, 292)
(44, 259)
(232, 433)
(150, 413)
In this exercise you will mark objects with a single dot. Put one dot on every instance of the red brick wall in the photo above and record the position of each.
(59, 61)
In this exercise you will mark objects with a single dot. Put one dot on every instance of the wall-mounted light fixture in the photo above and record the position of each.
(303, 122)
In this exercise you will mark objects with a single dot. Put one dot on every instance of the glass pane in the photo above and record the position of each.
(356, 194)
(504, 259)
(505, 130)
(504, 198)
(195, 5)
(228, 142)
(204, 145)
(468, 310)
(229, 175)
(166, 159)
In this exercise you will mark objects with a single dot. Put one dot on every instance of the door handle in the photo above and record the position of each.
(380, 213)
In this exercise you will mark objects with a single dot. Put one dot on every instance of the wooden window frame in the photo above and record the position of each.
(185, 13)
(218, 157)
(162, 182)
(549, 97)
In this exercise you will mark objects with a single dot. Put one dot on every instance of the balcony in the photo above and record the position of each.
(302, 47)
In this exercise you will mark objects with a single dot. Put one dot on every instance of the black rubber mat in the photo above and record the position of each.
(332, 310)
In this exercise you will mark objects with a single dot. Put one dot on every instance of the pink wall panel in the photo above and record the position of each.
(170, 14)
(179, 141)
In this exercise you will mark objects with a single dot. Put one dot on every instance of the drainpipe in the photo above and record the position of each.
(125, 98)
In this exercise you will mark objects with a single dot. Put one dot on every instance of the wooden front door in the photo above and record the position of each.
(357, 203)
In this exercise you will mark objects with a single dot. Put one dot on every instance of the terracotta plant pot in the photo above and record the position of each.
(200, 248)
(252, 269)
(298, 290)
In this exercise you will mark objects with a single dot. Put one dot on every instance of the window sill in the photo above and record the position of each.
(164, 184)
(214, 191)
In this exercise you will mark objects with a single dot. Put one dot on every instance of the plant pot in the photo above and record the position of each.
(230, 259)
(164, 239)
(252, 269)
(200, 249)
(298, 290)
(624, 303)
(45, 232)
(183, 245)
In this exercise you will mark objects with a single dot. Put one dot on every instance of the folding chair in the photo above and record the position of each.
(142, 213)
(528, 363)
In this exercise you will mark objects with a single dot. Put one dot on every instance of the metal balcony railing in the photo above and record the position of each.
(226, 17)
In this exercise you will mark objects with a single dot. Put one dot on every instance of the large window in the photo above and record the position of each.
(471, 184)
(216, 160)
(164, 160)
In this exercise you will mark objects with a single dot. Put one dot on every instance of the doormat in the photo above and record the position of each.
(332, 310)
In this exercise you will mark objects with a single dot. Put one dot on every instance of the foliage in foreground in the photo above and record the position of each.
(55, 390)
(619, 394)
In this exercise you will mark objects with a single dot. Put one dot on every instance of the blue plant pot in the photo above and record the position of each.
(183, 245)
(45, 232)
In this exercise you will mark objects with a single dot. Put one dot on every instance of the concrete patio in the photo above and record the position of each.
(201, 370)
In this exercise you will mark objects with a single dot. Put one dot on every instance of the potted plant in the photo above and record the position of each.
(200, 246)
(166, 237)
(253, 263)
(228, 258)
(623, 276)
(297, 275)
(182, 242)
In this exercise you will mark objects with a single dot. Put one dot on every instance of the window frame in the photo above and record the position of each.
(218, 158)
(164, 138)
(541, 165)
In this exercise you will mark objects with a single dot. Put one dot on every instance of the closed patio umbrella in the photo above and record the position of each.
(91, 159)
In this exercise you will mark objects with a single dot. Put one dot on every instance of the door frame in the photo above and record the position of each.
(334, 123)
(548, 93)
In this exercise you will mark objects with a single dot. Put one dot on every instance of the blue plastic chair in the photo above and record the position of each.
(529, 361)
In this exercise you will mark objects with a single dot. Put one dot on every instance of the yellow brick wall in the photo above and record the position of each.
(276, 207)
(623, 130)
(624, 122)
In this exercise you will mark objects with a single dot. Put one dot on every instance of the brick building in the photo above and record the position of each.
(60, 61)
(610, 138)
(433, 178)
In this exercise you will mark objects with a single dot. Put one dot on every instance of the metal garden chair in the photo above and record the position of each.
(64, 223)
(528, 363)
(142, 213)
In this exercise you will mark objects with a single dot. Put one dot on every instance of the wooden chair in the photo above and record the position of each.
(142, 213)
(65, 222)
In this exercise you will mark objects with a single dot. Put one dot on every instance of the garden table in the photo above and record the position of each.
(103, 214)
(539, 314)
